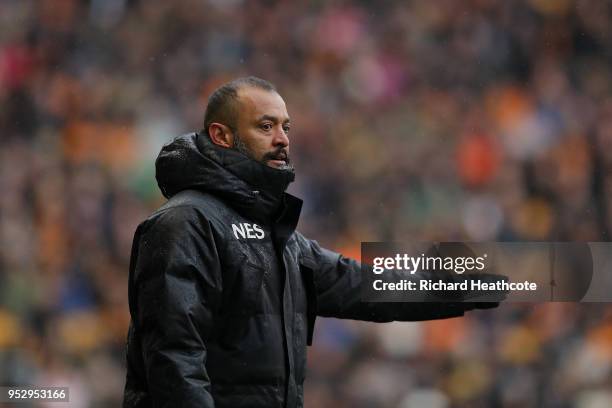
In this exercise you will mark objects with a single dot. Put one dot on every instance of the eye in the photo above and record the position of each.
(266, 126)
(286, 128)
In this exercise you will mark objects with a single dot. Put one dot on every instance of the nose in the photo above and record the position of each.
(280, 138)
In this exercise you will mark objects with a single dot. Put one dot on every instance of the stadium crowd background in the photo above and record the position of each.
(426, 120)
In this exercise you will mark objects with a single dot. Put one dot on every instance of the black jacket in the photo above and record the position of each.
(223, 292)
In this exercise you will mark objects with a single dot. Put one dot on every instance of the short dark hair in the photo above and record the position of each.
(223, 103)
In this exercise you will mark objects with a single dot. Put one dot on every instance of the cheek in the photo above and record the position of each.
(259, 146)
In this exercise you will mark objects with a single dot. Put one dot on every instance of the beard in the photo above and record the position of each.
(279, 153)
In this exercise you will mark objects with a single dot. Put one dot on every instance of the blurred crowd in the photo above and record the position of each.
(444, 120)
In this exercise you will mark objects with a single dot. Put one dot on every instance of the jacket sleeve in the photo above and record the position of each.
(174, 289)
(337, 285)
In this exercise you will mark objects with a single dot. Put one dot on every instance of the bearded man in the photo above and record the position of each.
(223, 291)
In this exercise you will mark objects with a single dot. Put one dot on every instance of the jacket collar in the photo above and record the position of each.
(192, 161)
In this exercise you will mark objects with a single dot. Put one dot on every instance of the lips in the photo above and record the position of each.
(279, 161)
(278, 157)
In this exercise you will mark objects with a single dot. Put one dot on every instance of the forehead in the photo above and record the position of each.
(255, 103)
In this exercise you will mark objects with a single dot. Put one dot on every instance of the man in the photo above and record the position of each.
(223, 291)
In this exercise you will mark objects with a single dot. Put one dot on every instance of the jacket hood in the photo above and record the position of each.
(192, 161)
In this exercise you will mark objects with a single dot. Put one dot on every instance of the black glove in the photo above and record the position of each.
(472, 299)
(467, 306)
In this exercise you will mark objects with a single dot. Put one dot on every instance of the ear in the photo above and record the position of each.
(221, 135)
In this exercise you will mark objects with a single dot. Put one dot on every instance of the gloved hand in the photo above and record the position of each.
(471, 298)
(467, 306)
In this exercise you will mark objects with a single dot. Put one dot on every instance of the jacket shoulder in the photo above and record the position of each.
(204, 204)
(303, 246)
(189, 198)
